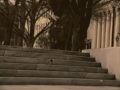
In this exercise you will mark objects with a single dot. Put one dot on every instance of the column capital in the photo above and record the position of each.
(117, 10)
(100, 19)
(104, 14)
(99, 15)
(95, 18)
(115, 3)
(104, 17)
(108, 13)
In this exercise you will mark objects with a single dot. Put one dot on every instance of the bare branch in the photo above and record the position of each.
(96, 2)
(44, 29)
(40, 15)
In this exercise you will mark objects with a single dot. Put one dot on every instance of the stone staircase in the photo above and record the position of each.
(25, 66)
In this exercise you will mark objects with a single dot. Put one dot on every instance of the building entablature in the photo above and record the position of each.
(106, 7)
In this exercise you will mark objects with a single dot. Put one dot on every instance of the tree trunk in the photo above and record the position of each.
(7, 36)
(76, 33)
(30, 44)
(8, 29)
(78, 40)
(75, 41)
(68, 42)
(22, 22)
(19, 41)
(32, 30)
(15, 38)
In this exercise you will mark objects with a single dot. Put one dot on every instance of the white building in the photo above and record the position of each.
(104, 31)
(104, 28)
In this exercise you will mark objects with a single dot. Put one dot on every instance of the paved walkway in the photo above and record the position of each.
(42, 87)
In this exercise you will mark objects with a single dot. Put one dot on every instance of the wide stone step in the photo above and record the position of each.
(35, 60)
(70, 63)
(6, 47)
(9, 48)
(77, 63)
(56, 81)
(68, 52)
(53, 62)
(49, 67)
(2, 52)
(34, 54)
(71, 68)
(8, 59)
(80, 58)
(54, 74)
(55, 51)
(47, 61)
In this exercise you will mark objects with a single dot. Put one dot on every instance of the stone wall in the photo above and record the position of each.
(109, 58)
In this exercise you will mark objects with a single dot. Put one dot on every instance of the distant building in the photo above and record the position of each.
(40, 24)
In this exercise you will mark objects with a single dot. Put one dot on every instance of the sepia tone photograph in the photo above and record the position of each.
(59, 44)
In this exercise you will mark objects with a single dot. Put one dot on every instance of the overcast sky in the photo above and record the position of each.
(12, 1)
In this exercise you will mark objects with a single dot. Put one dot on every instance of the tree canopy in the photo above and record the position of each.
(80, 13)
(20, 18)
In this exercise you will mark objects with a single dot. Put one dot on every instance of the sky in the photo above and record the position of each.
(42, 20)
(12, 1)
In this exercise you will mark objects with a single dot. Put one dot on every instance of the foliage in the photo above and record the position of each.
(79, 14)
(23, 18)
(60, 34)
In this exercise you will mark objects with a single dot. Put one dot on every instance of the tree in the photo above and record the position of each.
(80, 12)
(34, 10)
(1, 26)
(22, 17)
(60, 34)
(7, 11)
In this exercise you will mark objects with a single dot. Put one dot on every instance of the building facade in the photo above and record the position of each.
(104, 29)
(104, 33)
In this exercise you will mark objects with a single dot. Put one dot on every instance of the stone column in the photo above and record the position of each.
(103, 30)
(94, 38)
(111, 28)
(117, 25)
(107, 36)
(99, 32)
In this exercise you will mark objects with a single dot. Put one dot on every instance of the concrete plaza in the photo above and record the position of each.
(50, 87)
